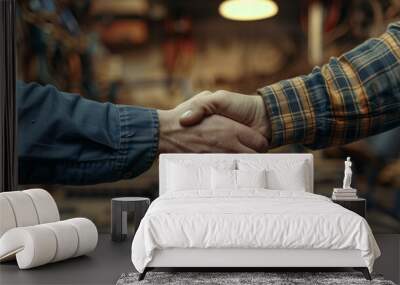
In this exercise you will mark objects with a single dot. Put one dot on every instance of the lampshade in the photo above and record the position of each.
(248, 10)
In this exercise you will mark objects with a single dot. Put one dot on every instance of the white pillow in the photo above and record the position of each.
(193, 175)
(223, 179)
(226, 179)
(293, 180)
(282, 174)
(251, 178)
(181, 177)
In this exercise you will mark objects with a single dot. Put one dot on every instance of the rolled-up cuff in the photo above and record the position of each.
(139, 140)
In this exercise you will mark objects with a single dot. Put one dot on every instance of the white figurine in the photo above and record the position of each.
(347, 174)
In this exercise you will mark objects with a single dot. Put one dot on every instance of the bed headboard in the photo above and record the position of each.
(164, 158)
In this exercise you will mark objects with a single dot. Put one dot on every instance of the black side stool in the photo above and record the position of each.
(120, 207)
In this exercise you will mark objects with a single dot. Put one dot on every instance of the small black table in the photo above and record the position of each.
(358, 206)
(120, 208)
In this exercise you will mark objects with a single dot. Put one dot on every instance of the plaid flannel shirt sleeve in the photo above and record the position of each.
(353, 96)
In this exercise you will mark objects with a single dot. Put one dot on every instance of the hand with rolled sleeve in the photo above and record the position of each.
(349, 98)
(66, 139)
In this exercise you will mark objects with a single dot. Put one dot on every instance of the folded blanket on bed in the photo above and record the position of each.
(253, 218)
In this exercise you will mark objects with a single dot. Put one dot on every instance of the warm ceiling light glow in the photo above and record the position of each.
(248, 10)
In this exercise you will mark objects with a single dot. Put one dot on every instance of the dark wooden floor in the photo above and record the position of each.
(110, 260)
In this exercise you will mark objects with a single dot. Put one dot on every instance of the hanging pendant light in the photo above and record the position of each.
(248, 10)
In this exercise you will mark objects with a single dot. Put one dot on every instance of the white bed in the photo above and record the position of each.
(248, 226)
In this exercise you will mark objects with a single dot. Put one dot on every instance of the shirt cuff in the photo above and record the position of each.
(138, 148)
(290, 113)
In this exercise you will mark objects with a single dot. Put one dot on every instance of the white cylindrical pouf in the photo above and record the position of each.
(7, 218)
(34, 245)
(67, 239)
(87, 235)
(23, 208)
(45, 205)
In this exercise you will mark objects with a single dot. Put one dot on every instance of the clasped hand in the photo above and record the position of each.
(219, 122)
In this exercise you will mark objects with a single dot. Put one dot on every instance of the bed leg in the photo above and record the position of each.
(364, 271)
(143, 274)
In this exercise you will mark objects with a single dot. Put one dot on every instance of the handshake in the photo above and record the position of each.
(209, 122)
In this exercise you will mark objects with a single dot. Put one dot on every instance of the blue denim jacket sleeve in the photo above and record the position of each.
(64, 138)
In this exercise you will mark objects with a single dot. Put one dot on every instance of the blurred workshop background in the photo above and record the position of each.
(158, 53)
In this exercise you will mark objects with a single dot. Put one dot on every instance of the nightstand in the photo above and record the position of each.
(120, 207)
(358, 206)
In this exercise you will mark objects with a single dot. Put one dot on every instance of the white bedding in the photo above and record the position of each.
(252, 218)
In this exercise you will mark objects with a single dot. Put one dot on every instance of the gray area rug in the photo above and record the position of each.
(232, 278)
